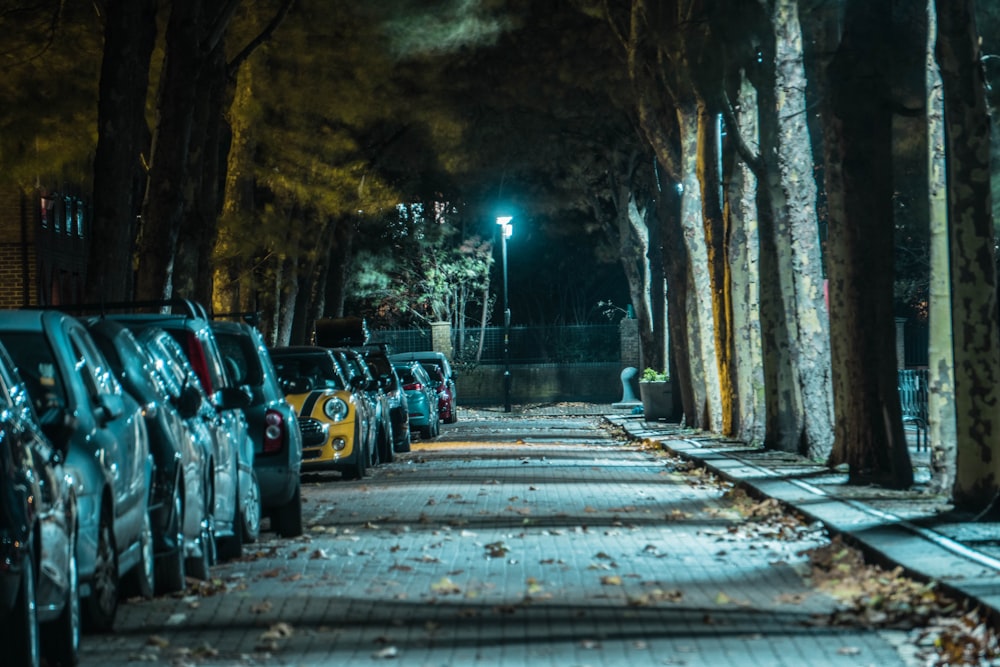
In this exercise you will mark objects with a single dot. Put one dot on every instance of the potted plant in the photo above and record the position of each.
(656, 394)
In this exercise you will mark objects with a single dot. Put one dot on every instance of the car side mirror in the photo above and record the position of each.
(109, 407)
(189, 401)
(233, 398)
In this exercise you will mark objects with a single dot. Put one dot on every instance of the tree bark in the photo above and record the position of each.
(163, 209)
(858, 160)
(123, 140)
(976, 340)
(940, 371)
(744, 252)
(716, 233)
(707, 413)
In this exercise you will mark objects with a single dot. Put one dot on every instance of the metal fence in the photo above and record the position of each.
(913, 400)
(528, 345)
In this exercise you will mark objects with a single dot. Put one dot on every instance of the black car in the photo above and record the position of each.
(39, 585)
(274, 426)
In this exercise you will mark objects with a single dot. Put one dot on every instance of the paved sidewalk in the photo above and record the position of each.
(912, 529)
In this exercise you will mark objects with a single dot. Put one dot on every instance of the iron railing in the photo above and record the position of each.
(528, 345)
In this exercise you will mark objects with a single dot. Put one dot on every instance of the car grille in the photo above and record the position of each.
(313, 432)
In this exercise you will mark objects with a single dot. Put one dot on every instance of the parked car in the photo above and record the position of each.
(85, 412)
(359, 375)
(378, 360)
(441, 360)
(445, 399)
(180, 493)
(274, 426)
(352, 333)
(421, 397)
(237, 492)
(333, 417)
(39, 584)
(222, 431)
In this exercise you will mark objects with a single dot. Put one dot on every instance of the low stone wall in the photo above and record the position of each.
(541, 383)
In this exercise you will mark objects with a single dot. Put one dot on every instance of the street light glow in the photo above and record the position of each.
(506, 229)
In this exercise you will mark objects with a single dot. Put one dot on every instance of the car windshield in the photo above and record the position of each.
(37, 364)
(314, 372)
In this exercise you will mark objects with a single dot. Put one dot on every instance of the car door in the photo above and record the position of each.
(117, 426)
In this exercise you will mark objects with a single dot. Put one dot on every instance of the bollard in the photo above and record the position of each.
(628, 392)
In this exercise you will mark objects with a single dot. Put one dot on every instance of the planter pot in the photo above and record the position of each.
(657, 400)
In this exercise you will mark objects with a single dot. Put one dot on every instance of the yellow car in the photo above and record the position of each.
(333, 417)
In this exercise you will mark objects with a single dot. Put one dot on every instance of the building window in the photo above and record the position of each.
(79, 220)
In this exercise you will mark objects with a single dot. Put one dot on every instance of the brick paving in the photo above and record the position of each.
(507, 543)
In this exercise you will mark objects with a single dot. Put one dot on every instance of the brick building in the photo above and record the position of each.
(43, 247)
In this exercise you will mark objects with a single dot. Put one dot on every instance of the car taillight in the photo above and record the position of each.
(274, 431)
(196, 355)
(416, 386)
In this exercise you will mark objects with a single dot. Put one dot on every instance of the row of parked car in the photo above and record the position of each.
(137, 448)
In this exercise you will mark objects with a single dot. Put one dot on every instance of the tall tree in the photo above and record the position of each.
(858, 166)
(941, 373)
(122, 147)
(974, 327)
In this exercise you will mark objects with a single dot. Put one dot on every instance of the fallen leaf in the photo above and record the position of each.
(386, 653)
(261, 607)
(445, 586)
(611, 580)
(157, 641)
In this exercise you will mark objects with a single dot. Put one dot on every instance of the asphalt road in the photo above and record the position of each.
(528, 541)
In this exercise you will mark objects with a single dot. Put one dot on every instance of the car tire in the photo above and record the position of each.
(62, 636)
(358, 469)
(251, 511)
(170, 571)
(101, 605)
(200, 566)
(287, 519)
(452, 415)
(426, 432)
(404, 443)
(20, 634)
(141, 581)
(385, 454)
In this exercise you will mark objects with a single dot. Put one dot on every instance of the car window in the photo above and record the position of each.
(92, 368)
(241, 359)
(37, 363)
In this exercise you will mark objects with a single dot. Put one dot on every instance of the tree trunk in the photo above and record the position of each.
(707, 413)
(940, 371)
(744, 249)
(163, 209)
(715, 229)
(857, 138)
(975, 333)
(812, 327)
(123, 138)
(675, 270)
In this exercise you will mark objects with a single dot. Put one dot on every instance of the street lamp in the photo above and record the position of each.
(506, 229)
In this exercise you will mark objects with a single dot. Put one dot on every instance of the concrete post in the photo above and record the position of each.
(441, 338)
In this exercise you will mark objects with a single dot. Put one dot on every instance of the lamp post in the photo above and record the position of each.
(506, 229)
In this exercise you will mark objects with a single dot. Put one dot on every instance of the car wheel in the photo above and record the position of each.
(250, 512)
(385, 445)
(359, 468)
(21, 642)
(426, 432)
(452, 415)
(287, 519)
(170, 567)
(404, 443)
(141, 581)
(102, 603)
(62, 645)
(200, 566)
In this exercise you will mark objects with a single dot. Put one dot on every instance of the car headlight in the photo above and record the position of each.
(335, 409)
